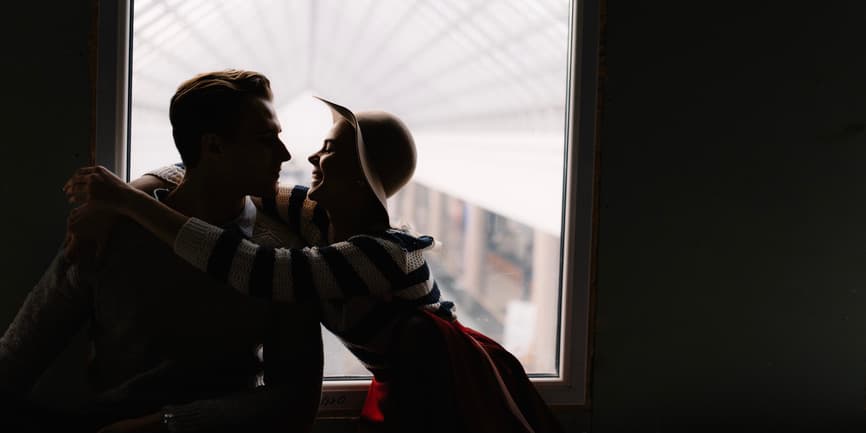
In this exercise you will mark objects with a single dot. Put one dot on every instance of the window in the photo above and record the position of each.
(489, 88)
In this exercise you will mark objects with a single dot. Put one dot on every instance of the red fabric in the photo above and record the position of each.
(493, 392)
(372, 411)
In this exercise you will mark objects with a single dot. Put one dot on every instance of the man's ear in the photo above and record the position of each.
(211, 145)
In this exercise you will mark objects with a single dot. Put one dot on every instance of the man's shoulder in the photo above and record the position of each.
(272, 232)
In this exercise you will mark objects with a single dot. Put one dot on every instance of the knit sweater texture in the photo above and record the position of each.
(165, 336)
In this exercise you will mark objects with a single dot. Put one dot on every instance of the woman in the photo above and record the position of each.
(372, 281)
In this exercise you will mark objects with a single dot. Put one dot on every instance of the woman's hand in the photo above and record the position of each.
(99, 187)
(102, 196)
(100, 190)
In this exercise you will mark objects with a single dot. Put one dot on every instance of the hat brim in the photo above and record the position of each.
(340, 112)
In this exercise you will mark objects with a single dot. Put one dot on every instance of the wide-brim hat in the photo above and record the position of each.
(386, 149)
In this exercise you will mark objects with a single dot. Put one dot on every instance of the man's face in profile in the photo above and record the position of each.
(254, 155)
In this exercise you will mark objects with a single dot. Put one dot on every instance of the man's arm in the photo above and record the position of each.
(53, 312)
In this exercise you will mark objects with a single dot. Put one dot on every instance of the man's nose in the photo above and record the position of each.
(284, 155)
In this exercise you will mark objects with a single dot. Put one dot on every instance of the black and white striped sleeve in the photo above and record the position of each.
(303, 216)
(290, 205)
(361, 266)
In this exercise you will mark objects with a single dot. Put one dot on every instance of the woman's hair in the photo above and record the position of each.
(211, 102)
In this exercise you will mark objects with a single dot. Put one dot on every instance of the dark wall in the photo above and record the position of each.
(45, 120)
(732, 254)
(46, 103)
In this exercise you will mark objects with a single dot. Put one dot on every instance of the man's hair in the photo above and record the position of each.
(211, 102)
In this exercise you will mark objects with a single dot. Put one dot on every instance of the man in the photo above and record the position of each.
(164, 357)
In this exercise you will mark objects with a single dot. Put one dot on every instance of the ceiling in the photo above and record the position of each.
(492, 70)
(454, 63)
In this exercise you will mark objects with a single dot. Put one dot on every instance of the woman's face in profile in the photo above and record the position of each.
(336, 168)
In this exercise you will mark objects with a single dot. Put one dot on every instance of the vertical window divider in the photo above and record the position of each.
(113, 54)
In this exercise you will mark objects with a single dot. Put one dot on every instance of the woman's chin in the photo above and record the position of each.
(313, 192)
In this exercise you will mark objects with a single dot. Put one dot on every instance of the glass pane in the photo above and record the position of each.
(481, 84)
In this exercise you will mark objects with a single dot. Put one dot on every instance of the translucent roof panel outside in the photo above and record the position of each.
(481, 83)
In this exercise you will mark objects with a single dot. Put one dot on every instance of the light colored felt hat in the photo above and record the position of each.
(386, 149)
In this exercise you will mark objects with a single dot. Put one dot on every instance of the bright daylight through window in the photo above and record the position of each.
(481, 83)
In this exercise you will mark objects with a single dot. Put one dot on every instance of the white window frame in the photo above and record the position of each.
(344, 398)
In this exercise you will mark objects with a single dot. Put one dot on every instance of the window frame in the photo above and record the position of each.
(344, 398)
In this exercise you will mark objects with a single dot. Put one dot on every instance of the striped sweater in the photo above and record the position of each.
(364, 285)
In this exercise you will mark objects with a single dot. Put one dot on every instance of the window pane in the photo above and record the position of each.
(481, 84)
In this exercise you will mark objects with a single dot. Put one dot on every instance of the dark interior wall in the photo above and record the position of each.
(731, 245)
(46, 103)
(46, 112)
